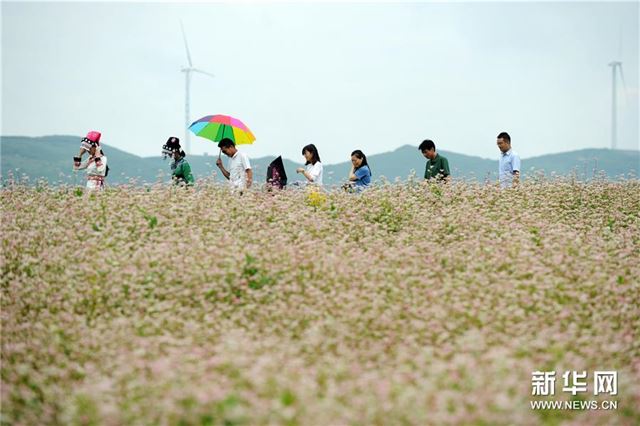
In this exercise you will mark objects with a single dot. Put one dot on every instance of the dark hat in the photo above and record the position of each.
(172, 145)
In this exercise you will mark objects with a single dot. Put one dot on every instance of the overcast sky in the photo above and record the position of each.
(369, 76)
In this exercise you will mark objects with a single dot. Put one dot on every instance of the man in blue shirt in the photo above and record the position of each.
(509, 162)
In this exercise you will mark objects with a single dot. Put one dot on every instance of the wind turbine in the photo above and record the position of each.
(187, 84)
(614, 92)
(614, 113)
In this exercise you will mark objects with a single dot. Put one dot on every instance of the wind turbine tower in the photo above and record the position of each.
(615, 65)
(187, 87)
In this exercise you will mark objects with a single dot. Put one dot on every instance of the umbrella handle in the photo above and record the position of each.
(219, 153)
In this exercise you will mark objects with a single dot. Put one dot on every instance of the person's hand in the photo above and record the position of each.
(219, 162)
(299, 170)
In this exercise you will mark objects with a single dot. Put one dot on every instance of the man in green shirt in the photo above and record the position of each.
(437, 165)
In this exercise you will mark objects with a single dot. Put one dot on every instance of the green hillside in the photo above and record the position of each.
(50, 158)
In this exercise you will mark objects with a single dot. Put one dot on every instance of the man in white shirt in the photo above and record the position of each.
(508, 163)
(240, 175)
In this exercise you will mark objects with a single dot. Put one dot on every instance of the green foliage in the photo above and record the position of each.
(256, 276)
(152, 220)
(386, 215)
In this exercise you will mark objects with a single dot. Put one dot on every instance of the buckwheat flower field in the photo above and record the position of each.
(408, 304)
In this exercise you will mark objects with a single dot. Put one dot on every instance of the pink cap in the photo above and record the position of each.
(94, 136)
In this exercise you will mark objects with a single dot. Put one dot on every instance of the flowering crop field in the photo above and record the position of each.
(408, 304)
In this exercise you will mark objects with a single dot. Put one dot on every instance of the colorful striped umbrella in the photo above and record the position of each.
(218, 127)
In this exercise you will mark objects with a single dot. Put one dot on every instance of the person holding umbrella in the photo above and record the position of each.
(313, 167)
(239, 175)
(228, 132)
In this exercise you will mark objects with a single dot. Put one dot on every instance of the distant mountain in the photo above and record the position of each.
(50, 158)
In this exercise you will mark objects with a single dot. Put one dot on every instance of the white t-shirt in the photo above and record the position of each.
(315, 170)
(238, 164)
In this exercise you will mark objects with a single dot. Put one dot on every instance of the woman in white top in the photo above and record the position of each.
(96, 166)
(313, 167)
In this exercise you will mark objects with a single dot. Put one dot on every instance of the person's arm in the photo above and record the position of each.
(516, 177)
(78, 159)
(188, 176)
(249, 173)
(246, 165)
(305, 173)
(224, 171)
(358, 174)
(352, 175)
(446, 173)
(515, 166)
(83, 166)
(81, 152)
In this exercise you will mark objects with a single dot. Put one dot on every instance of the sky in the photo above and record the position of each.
(343, 76)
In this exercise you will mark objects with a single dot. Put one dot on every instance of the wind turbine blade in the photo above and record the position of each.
(624, 85)
(202, 72)
(186, 45)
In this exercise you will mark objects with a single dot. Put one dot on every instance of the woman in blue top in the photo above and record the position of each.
(360, 174)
